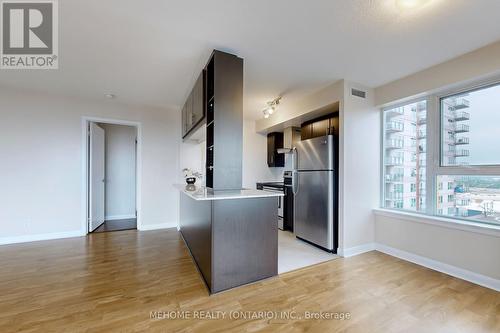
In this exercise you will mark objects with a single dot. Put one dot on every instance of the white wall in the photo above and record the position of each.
(481, 63)
(255, 167)
(460, 249)
(290, 109)
(192, 156)
(360, 167)
(359, 154)
(468, 250)
(120, 171)
(41, 153)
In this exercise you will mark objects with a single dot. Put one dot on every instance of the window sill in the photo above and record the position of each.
(457, 224)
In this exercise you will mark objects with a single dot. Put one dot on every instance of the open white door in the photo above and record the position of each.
(97, 177)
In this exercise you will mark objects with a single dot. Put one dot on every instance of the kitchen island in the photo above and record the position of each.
(232, 235)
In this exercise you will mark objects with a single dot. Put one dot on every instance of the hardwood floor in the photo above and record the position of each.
(111, 282)
(117, 225)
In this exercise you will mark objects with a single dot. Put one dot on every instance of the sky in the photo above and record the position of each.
(484, 125)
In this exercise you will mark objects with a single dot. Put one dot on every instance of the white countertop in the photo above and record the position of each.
(203, 193)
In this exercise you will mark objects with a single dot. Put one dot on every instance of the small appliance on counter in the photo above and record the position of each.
(276, 187)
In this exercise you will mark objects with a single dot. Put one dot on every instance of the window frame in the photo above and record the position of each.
(434, 137)
(383, 155)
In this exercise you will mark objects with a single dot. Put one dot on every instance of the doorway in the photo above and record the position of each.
(112, 155)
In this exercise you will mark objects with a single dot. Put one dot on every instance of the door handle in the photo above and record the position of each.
(295, 158)
(295, 182)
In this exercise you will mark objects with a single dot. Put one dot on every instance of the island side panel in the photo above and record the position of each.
(244, 241)
(196, 229)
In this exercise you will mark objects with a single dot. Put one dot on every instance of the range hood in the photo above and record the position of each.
(284, 150)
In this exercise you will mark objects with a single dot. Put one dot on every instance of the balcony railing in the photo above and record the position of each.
(422, 120)
(462, 141)
(394, 178)
(461, 116)
(395, 126)
(392, 161)
(461, 128)
(421, 134)
(463, 202)
(461, 153)
(395, 112)
(394, 144)
(461, 103)
(394, 196)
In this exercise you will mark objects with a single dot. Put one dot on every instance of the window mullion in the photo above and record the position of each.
(433, 152)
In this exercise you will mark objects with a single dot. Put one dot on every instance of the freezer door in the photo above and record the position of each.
(315, 154)
(314, 207)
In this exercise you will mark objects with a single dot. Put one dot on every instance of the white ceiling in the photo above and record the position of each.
(149, 52)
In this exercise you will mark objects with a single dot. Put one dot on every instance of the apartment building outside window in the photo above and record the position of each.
(459, 175)
(404, 156)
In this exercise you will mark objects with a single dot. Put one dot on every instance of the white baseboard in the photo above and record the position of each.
(454, 271)
(119, 217)
(40, 237)
(158, 226)
(355, 250)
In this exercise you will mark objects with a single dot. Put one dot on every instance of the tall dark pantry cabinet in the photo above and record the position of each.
(224, 105)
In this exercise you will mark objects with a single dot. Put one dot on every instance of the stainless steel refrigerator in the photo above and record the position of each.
(314, 191)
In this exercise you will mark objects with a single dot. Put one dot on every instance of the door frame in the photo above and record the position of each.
(85, 167)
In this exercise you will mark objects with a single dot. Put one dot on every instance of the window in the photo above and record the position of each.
(404, 165)
(469, 126)
(473, 197)
(413, 202)
(463, 159)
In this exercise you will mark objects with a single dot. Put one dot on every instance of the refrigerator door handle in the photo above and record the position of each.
(295, 182)
(295, 158)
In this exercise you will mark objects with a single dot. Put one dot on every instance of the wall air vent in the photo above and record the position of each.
(358, 93)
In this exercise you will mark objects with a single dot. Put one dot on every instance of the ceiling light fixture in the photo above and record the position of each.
(110, 96)
(409, 3)
(271, 107)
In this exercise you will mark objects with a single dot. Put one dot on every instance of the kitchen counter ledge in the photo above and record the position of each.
(201, 193)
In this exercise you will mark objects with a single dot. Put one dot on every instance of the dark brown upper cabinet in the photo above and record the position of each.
(193, 112)
(306, 131)
(275, 142)
(184, 121)
(198, 111)
(319, 127)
